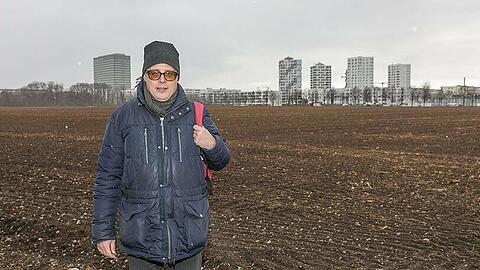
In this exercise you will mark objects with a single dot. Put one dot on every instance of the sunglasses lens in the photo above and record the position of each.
(170, 75)
(154, 75)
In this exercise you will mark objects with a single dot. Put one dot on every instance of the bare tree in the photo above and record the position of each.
(331, 95)
(273, 97)
(441, 97)
(83, 92)
(355, 93)
(391, 95)
(402, 95)
(36, 86)
(81, 88)
(425, 92)
(384, 95)
(102, 92)
(413, 95)
(6, 98)
(304, 98)
(367, 95)
(375, 92)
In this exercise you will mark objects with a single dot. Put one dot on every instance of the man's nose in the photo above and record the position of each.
(162, 78)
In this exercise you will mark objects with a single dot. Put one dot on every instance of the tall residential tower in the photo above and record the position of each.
(359, 72)
(399, 76)
(320, 76)
(320, 81)
(290, 80)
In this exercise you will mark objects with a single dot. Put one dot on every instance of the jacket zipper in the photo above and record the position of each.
(169, 236)
(169, 240)
(170, 259)
(163, 135)
(179, 132)
(145, 137)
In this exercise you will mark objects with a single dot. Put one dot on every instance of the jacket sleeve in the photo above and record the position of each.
(107, 183)
(219, 156)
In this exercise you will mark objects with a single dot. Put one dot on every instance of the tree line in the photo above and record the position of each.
(53, 94)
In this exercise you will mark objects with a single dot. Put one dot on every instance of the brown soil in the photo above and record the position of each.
(307, 188)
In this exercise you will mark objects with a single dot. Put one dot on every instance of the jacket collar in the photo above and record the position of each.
(181, 96)
(179, 101)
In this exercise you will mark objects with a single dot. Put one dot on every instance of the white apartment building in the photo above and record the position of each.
(235, 97)
(290, 80)
(399, 76)
(359, 72)
(320, 82)
(460, 89)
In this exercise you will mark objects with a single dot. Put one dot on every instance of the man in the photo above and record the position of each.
(150, 169)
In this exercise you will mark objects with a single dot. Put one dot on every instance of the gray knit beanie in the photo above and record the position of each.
(158, 52)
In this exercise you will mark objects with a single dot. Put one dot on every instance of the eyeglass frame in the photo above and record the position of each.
(161, 73)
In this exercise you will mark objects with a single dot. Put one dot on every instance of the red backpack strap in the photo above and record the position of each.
(198, 107)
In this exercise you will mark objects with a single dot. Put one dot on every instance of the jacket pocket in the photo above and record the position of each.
(179, 137)
(132, 224)
(145, 140)
(197, 219)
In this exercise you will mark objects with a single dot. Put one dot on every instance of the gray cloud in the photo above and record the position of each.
(237, 44)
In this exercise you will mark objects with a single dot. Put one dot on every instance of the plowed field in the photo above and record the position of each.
(307, 188)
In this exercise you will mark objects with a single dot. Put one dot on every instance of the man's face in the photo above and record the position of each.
(161, 89)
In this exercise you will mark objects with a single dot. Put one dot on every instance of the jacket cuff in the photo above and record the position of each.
(216, 149)
(102, 232)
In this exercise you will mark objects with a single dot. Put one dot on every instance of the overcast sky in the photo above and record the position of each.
(238, 43)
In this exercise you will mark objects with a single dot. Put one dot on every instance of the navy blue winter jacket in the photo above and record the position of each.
(150, 170)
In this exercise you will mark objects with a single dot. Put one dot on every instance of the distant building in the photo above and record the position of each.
(462, 95)
(221, 96)
(114, 70)
(399, 76)
(290, 80)
(460, 89)
(235, 97)
(320, 82)
(359, 72)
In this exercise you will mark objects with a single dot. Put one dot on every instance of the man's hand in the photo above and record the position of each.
(203, 138)
(107, 248)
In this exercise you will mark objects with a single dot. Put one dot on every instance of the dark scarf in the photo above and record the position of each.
(159, 108)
